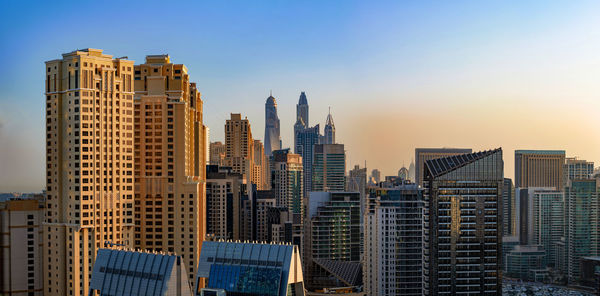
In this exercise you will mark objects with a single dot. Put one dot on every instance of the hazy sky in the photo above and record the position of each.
(397, 75)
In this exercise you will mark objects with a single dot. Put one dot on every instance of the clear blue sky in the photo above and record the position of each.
(397, 74)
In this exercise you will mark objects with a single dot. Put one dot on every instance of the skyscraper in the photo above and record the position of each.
(170, 160)
(393, 238)
(463, 241)
(306, 138)
(375, 177)
(217, 154)
(539, 168)
(21, 238)
(223, 203)
(333, 239)
(272, 136)
(508, 207)
(329, 130)
(302, 110)
(548, 221)
(287, 177)
(261, 176)
(329, 167)
(411, 171)
(424, 154)
(357, 182)
(239, 148)
(89, 165)
(577, 169)
(582, 198)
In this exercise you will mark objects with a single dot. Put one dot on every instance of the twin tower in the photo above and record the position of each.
(272, 126)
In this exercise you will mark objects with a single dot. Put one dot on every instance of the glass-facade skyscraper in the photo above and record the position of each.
(582, 205)
(333, 234)
(329, 167)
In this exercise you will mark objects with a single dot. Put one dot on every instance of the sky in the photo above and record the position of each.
(397, 75)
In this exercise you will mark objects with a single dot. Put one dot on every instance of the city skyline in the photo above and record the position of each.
(377, 74)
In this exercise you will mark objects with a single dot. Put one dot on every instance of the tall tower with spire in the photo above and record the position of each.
(302, 109)
(272, 137)
(329, 130)
(301, 117)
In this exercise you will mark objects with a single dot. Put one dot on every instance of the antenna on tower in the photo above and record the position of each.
(271, 93)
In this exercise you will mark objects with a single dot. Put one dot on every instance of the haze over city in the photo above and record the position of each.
(397, 75)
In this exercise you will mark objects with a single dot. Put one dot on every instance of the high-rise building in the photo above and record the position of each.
(21, 240)
(424, 154)
(262, 171)
(89, 165)
(577, 169)
(393, 238)
(170, 160)
(239, 146)
(329, 130)
(548, 222)
(265, 200)
(124, 272)
(272, 136)
(403, 173)
(357, 182)
(284, 226)
(582, 199)
(508, 206)
(539, 168)
(232, 268)
(411, 171)
(375, 177)
(329, 168)
(306, 139)
(217, 154)
(463, 238)
(302, 110)
(333, 239)
(287, 182)
(223, 203)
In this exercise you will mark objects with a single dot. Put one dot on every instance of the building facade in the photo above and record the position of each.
(577, 169)
(393, 238)
(239, 144)
(21, 241)
(329, 130)
(262, 170)
(287, 180)
(463, 238)
(333, 236)
(89, 165)
(329, 168)
(508, 206)
(223, 203)
(582, 198)
(424, 154)
(272, 136)
(305, 140)
(539, 168)
(169, 160)
(217, 154)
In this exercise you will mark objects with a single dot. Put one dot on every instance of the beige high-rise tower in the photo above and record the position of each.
(239, 146)
(89, 165)
(170, 149)
(262, 171)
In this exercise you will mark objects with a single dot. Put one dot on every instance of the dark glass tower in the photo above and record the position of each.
(272, 137)
(462, 236)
